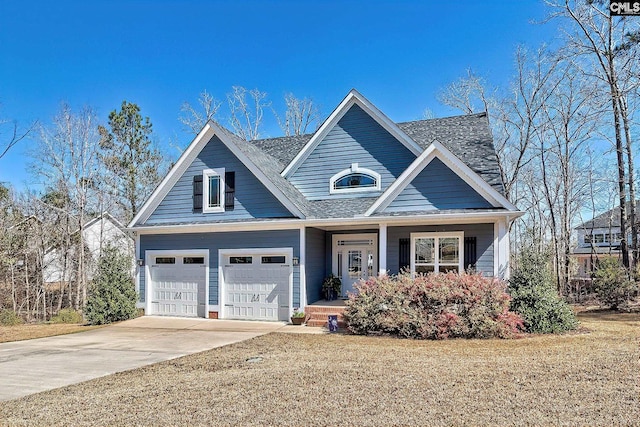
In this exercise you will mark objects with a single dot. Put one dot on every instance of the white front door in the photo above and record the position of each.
(355, 258)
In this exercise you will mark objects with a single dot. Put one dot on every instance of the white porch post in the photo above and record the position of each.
(382, 243)
(303, 278)
(501, 249)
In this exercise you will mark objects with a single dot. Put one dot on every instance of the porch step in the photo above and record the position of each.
(317, 315)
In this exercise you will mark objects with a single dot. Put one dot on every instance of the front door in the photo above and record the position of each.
(355, 258)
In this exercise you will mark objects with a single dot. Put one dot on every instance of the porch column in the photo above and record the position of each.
(501, 249)
(382, 243)
(303, 275)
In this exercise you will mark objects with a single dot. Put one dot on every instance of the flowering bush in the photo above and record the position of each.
(433, 306)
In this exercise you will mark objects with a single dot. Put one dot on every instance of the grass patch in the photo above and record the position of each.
(588, 377)
(41, 330)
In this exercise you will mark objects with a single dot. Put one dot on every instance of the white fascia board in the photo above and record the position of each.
(295, 224)
(174, 174)
(353, 97)
(436, 149)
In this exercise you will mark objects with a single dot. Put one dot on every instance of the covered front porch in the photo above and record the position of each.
(359, 251)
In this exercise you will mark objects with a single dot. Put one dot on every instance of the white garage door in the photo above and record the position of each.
(256, 286)
(178, 286)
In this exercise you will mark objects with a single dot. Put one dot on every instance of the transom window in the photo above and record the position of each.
(354, 179)
(436, 252)
(213, 183)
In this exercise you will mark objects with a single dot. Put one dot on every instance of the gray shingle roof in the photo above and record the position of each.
(468, 137)
(610, 218)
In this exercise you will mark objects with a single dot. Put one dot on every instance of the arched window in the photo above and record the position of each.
(354, 179)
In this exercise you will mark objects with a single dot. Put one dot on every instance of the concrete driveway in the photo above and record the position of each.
(32, 366)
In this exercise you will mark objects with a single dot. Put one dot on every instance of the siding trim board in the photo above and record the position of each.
(436, 149)
(352, 98)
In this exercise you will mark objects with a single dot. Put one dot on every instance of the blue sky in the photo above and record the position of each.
(161, 53)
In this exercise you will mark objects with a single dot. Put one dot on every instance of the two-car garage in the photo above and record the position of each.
(253, 284)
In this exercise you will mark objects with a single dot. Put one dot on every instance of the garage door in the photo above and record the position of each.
(178, 286)
(257, 286)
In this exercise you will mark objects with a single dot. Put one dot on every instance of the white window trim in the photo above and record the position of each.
(206, 174)
(354, 169)
(437, 237)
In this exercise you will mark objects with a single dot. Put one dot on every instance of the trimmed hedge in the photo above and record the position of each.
(433, 306)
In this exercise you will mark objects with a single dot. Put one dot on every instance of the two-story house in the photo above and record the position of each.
(597, 238)
(249, 230)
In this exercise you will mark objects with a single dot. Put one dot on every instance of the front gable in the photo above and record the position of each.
(176, 208)
(438, 180)
(251, 197)
(437, 187)
(356, 139)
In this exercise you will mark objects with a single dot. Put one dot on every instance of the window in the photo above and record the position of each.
(193, 260)
(354, 179)
(273, 259)
(240, 260)
(214, 190)
(598, 238)
(165, 260)
(436, 252)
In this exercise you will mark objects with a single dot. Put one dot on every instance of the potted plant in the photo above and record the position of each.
(298, 317)
(331, 287)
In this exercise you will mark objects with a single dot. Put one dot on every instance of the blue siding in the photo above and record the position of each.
(437, 187)
(252, 199)
(482, 232)
(356, 138)
(227, 240)
(316, 264)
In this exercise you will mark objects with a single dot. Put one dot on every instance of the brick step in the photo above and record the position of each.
(317, 316)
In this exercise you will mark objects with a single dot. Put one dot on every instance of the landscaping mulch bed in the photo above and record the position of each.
(586, 378)
(40, 330)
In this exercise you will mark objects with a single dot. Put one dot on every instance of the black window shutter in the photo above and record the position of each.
(230, 190)
(404, 254)
(197, 193)
(470, 256)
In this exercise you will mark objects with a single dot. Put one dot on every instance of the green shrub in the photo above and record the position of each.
(112, 296)
(67, 315)
(10, 318)
(433, 306)
(612, 284)
(535, 299)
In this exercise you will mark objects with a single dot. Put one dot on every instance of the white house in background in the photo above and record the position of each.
(598, 238)
(97, 234)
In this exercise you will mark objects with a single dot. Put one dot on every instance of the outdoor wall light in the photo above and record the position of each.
(140, 262)
(296, 260)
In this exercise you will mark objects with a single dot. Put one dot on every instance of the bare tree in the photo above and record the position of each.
(194, 118)
(66, 159)
(469, 94)
(607, 49)
(246, 109)
(301, 114)
(15, 135)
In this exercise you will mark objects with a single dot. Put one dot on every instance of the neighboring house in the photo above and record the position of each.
(597, 239)
(97, 233)
(249, 230)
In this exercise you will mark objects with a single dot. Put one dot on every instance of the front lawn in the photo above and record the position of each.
(589, 377)
(40, 330)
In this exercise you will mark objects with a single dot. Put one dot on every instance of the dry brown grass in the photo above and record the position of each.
(28, 332)
(584, 378)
